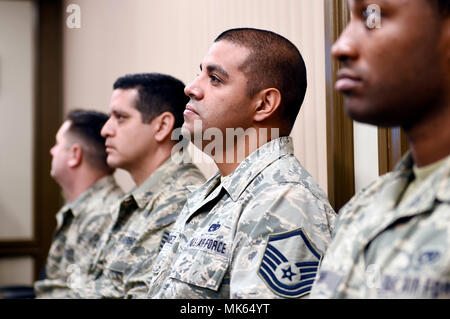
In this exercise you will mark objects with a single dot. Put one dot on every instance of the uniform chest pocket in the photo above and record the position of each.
(162, 260)
(201, 269)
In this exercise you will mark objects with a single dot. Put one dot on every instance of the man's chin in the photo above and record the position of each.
(357, 110)
(371, 114)
(113, 163)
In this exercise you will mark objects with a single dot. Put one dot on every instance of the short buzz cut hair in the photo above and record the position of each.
(85, 127)
(274, 61)
(157, 93)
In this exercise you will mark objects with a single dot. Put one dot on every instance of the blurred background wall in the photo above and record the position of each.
(16, 134)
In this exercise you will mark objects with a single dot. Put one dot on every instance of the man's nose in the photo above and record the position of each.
(193, 90)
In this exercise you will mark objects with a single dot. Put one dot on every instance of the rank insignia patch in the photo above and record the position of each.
(289, 264)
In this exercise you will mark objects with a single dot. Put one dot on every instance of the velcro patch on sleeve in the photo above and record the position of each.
(289, 264)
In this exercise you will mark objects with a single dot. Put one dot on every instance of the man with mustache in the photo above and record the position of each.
(392, 239)
(144, 110)
(257, 228)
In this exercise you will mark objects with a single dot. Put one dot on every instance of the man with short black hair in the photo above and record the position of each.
(392, 239)
(144, 110)
(79, 167)
(259, 226)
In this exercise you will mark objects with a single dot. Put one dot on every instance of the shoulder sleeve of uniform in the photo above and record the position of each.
(279, 243)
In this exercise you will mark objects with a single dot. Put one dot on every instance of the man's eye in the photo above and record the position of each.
(372, 15)
(214, 79)
(365, 13)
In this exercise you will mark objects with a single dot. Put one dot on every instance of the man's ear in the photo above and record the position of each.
(163, 125)
(267, 102)
(75, 156)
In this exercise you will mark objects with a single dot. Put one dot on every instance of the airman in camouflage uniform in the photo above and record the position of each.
(257, 233)
(79, 166)
(259, 227)
(145, 110)
(145, 218)
(392, 239)
(79, 227)
(384, 250)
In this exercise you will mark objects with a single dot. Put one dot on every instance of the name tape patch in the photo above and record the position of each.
(212, 245)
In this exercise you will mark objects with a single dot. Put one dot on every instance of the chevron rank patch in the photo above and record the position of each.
(289, 264)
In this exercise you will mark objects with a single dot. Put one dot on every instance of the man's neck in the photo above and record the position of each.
(144, 169)
(227, 168)
(81, 185)
(234, 156)
(430, 139)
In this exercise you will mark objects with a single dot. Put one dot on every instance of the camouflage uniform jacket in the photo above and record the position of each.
(381, 250)
(80, 225)
(259, 232)
(144, 219)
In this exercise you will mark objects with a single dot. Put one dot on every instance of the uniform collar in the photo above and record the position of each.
(157, 181)
(434, 187)
(77, 207)
(441, 178)
(243, 175)
(235, 183)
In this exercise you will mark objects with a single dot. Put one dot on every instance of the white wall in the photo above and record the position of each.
(16, 121)
(365, 143)
(172, 36)
(16, 134)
